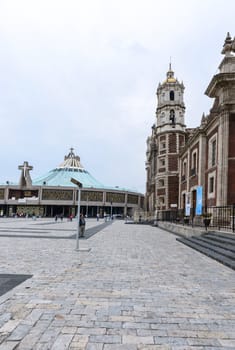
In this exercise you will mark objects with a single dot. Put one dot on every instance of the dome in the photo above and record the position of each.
(71, 167)
(170, 76)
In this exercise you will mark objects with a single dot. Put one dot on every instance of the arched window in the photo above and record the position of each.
(172, 116)
(172, 95)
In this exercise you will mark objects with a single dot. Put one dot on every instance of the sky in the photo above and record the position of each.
(84, 74)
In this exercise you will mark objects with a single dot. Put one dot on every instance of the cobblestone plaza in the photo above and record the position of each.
(131, 287)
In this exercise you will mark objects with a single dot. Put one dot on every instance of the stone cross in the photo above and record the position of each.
(25, 178)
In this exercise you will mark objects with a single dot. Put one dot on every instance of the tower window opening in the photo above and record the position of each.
(172, 117)
(172, 96)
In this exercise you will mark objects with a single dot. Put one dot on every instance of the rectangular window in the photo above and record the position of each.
(213, 152)
(193, 169)
(211, 185)
(184, 167)
(194, 160)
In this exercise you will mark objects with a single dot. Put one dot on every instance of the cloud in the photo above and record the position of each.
(85, 74)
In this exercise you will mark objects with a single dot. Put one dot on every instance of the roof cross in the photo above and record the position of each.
(25, 179)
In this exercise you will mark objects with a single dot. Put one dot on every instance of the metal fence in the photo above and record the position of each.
(219, 218)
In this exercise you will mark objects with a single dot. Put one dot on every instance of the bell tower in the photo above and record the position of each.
(169, 137)
(170, 105)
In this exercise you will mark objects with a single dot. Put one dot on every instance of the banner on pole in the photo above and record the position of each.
(199, 201)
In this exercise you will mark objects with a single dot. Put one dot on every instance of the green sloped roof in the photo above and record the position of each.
(62, 177)
(70, 168)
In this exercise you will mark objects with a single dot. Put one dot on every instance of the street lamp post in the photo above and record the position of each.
(111, 214)
(87, 206)
(79, 185)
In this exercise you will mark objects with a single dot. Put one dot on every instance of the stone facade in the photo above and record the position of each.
(163, 146)
(203, 156)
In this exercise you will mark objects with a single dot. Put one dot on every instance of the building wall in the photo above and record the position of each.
(231, 160)
(203, 156)
(213, 142)
(48, 201)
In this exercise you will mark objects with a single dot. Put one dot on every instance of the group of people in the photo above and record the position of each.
(59, 216)
(82, 223)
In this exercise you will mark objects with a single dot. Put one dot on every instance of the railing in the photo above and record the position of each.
(221, 218)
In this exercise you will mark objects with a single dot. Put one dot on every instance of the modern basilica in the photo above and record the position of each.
(55, 194)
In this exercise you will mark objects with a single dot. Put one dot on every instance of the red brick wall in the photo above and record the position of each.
(193, 181)
(173, 186)
(172, 143)
(161, 192)
(232, 135)
(183, 186)
(211, 202)
(173, 163)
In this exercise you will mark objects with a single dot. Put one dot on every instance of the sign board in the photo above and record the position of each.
(199, 201)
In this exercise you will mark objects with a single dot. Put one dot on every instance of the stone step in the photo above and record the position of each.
(218, 243)
(210, 245)
(221, 237)
(208, 252)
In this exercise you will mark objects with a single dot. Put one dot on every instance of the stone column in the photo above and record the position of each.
(222, 173)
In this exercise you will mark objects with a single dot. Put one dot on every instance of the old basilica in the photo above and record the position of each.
(181, 160)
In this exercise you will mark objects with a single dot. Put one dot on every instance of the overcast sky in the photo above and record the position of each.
(84, 74)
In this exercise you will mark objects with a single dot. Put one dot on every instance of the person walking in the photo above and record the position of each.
(82, 224)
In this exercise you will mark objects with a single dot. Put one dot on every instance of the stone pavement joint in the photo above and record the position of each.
(137, 289)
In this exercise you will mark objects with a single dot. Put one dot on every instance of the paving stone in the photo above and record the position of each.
(9, 345)
(94, 346)
(155, 347)
(9, 326)
(120, 347)
(137, 288)
(228, 342)
(110, 339)
(91, 331)
(62, 342)
(19, 332)
(130, 339)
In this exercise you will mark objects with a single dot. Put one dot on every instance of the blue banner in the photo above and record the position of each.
(187, 204)
(199, 201)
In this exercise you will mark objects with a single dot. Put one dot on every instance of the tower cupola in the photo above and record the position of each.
(170, 104)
